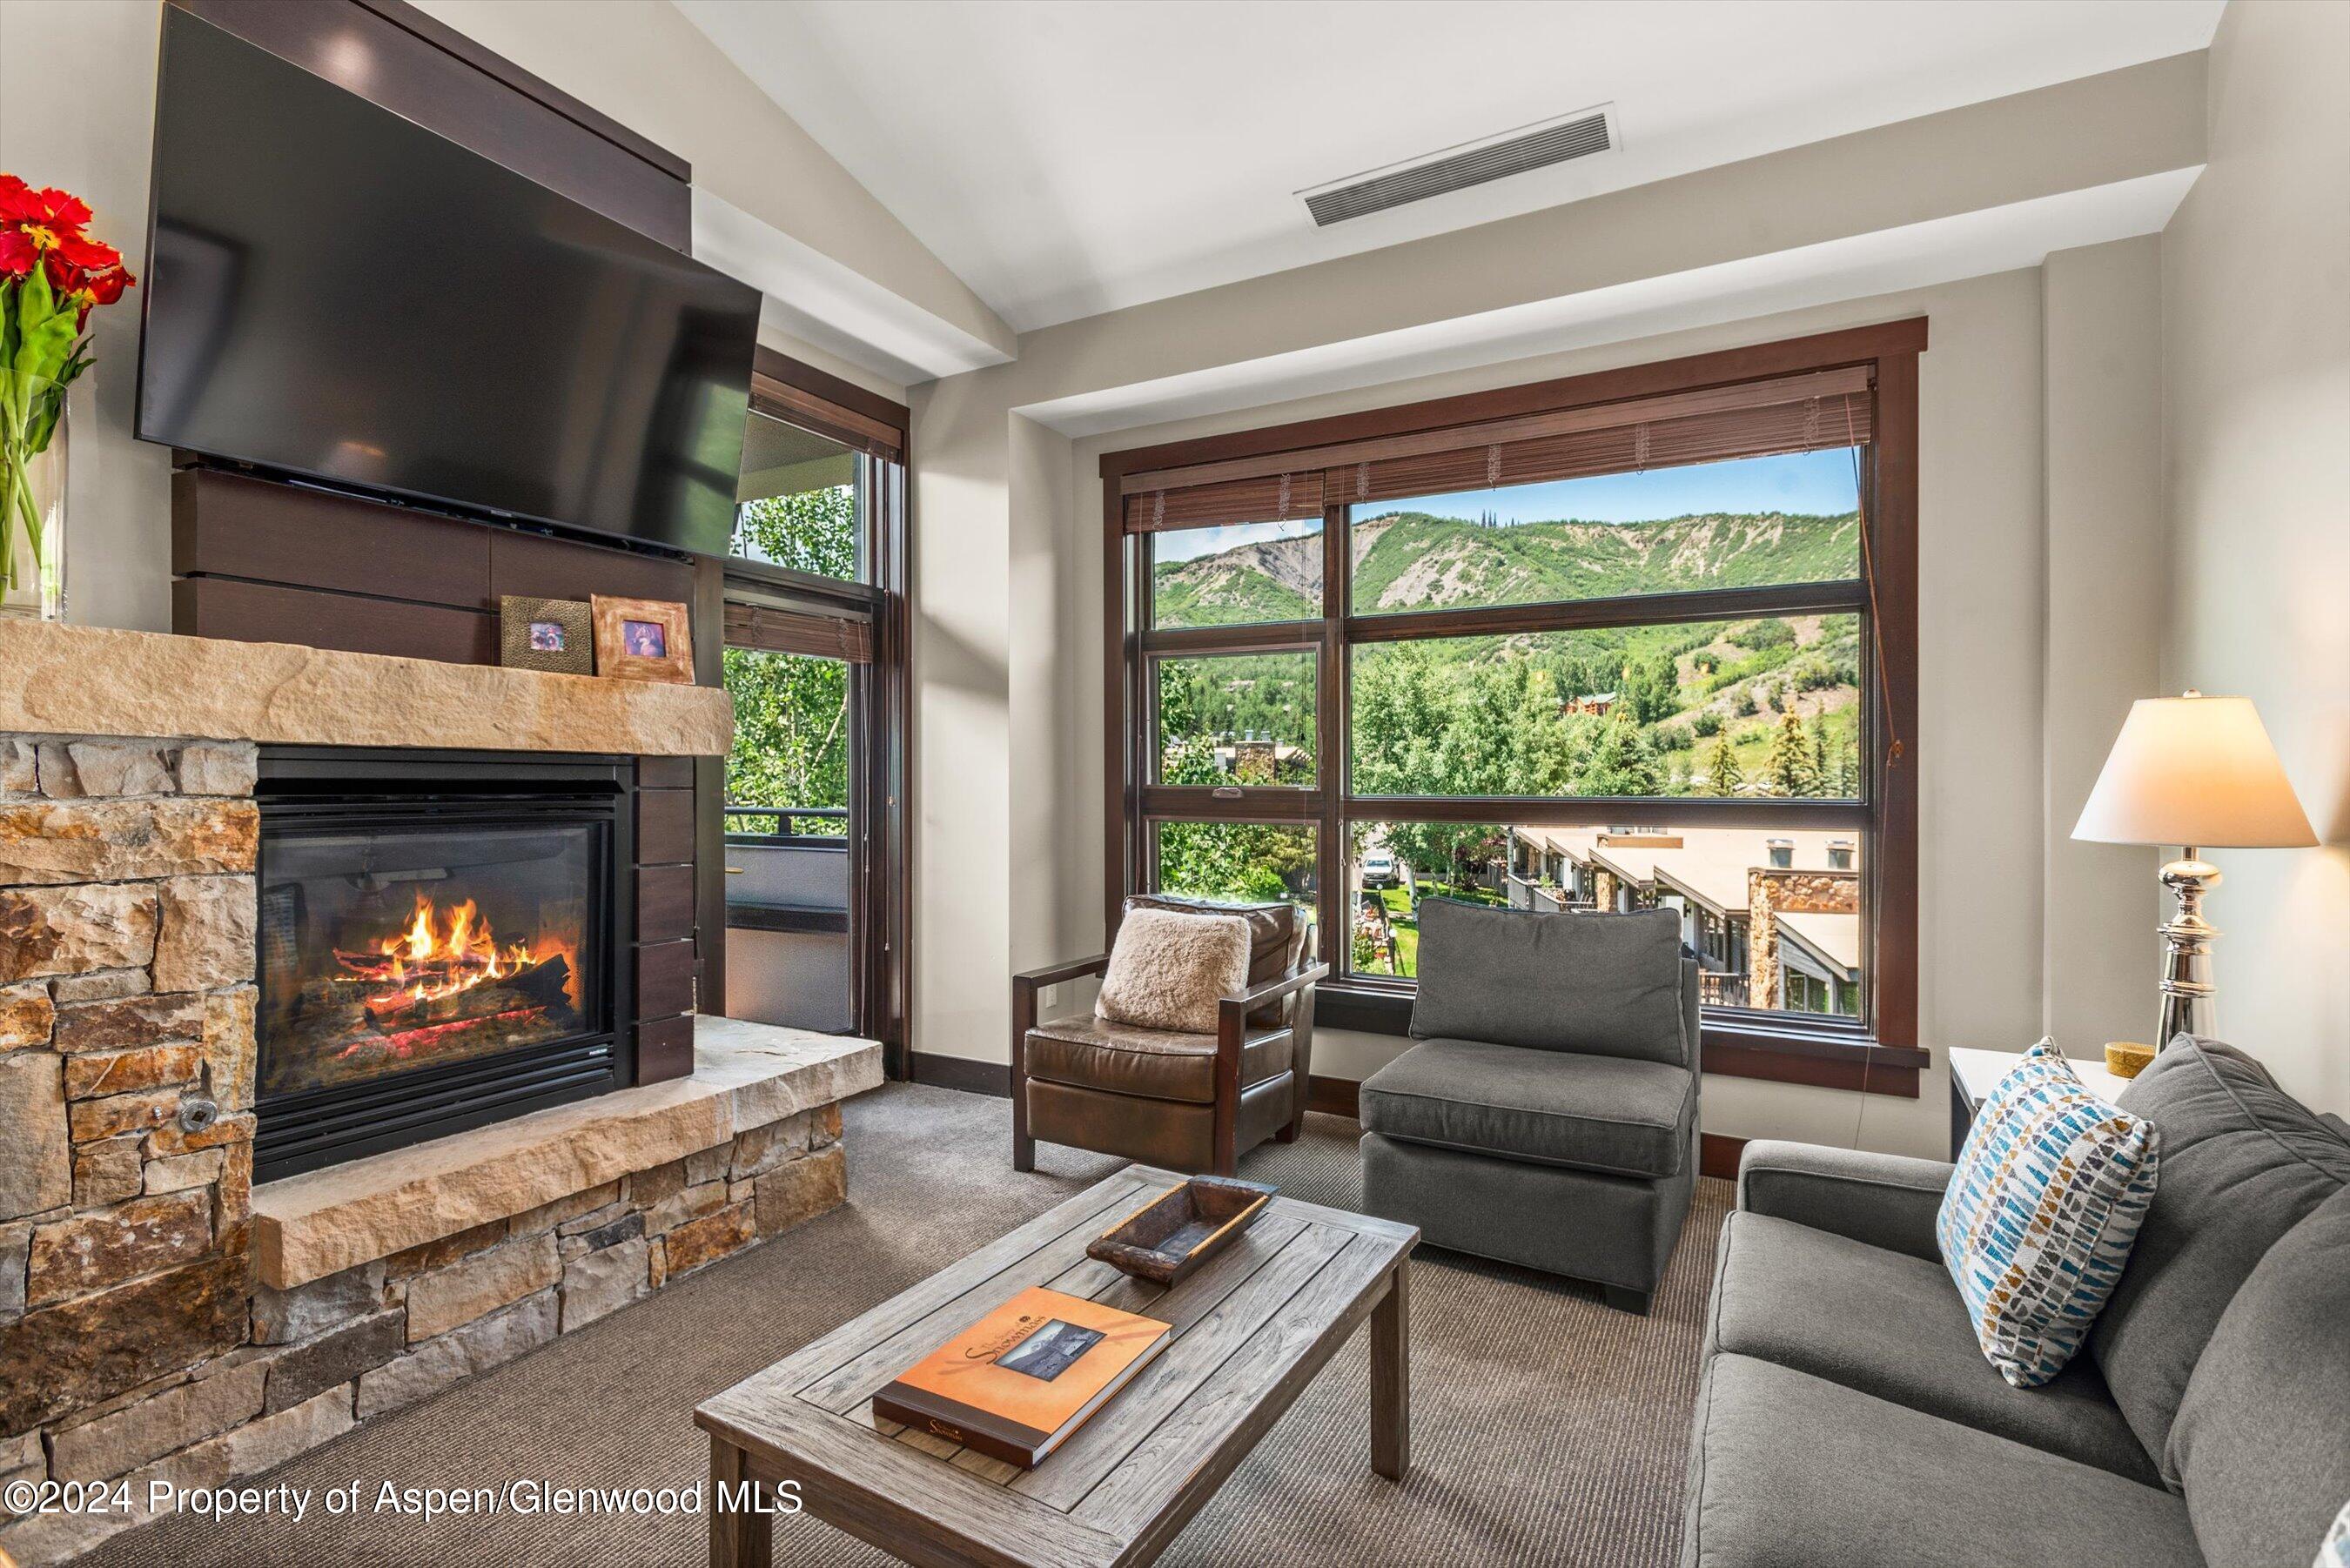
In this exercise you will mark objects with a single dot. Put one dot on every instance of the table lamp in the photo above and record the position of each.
(2200, 773)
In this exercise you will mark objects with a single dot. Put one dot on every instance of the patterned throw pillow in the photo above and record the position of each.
(2334, 1552)
(2050, 1187)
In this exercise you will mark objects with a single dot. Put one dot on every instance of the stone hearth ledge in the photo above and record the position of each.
(91, 681)
(745, 1075)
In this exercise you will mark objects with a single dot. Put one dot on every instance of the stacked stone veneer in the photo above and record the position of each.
(1772, 891)
(134, 1340)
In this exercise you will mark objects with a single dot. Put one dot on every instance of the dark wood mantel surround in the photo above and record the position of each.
(254, 559)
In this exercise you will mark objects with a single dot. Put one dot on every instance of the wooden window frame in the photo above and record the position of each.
(1879, 1054)
(876, 617)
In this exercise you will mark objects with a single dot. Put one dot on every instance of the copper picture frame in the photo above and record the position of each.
(643, 639)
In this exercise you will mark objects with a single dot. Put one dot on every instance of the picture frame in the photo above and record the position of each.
(554, 635)
(643, 639)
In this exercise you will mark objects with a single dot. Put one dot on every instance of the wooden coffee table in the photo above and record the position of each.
(1252, 1328)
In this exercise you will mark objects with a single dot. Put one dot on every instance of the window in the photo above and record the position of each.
(801, 501)
(792, 731)
(1638, 641)
(1240, 862)
(814, 660)
(1238, 575)
(1240, 719)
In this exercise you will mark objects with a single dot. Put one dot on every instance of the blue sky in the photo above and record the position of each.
(1814, 481)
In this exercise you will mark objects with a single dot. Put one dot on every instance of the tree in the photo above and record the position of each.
(806, 530)
(1821, 772)
(791, 731)
(1722, 775)
(791, 713)
(1650, 690)
(1621, 764)
(1845, 783)
(1789, 766)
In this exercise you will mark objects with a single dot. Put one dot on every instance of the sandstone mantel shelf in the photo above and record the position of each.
(744, 1075)
(90, 681)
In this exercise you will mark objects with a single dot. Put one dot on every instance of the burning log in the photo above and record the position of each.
(538, 985)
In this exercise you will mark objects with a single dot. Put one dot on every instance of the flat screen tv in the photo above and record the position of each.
(335, 292)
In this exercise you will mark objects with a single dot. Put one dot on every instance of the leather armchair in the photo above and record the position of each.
(1194, 1103)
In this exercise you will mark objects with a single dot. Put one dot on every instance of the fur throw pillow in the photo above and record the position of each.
(1169, 971)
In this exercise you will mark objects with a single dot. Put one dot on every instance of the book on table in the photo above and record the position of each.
(1016, 1383)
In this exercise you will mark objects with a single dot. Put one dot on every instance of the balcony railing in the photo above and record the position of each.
(1715, 989)
(787, 879)
(784, 825)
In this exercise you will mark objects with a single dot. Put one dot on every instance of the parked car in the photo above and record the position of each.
(1378, 869)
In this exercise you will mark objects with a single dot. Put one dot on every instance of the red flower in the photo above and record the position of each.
(52, 208)
(46, 226)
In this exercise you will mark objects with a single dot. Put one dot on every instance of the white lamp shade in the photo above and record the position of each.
(2197, 771)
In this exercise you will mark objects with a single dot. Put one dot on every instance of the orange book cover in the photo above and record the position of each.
(1021, 1379)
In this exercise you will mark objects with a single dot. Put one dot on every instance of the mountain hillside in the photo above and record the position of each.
(1410, 560)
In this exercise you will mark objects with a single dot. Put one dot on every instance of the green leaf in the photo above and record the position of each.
(45, 333)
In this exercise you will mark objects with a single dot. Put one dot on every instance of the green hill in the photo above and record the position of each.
(1419, 562)
(1410, 560)
(1687, 688)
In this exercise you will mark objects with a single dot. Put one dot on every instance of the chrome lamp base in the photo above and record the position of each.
(2187, 989)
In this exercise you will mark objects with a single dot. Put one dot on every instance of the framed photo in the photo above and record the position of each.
(643, 639)
(545, 634)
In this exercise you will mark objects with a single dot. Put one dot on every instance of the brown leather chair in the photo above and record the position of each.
(1191, 1103)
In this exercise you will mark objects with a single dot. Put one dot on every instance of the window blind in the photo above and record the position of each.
(1267, 498)
(781, 400)
(793, 631)
(1806, 412)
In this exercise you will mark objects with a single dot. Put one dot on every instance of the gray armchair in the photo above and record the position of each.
(1548, 1116)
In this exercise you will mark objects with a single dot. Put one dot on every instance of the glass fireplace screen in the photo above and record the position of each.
(400, 948)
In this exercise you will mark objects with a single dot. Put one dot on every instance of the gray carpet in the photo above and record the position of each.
(1547, 1430)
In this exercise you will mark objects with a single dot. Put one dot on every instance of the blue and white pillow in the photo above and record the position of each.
(2050, 1187)
(2334, 1552)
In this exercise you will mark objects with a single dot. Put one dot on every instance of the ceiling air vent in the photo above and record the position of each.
(1576, 135)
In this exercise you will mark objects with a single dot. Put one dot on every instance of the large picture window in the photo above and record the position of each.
(1638, 640)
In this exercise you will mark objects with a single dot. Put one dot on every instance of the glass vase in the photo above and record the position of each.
(32, 497)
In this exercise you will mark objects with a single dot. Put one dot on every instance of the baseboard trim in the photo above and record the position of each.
(1332, 1096)
(1717, 1155)
(963, 1073)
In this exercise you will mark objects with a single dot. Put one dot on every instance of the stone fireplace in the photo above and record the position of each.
(368, 926)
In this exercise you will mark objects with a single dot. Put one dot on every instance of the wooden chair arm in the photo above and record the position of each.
(1077, 968)
(1232, 1013)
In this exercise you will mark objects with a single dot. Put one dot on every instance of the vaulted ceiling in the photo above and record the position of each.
(1069, 159)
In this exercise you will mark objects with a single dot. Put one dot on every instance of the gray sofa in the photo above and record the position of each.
(1845, 1419)
(1548, 1116)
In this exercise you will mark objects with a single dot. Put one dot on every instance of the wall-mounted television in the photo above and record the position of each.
(335, 293)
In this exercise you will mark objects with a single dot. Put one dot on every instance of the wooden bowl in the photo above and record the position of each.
(1167, 1240)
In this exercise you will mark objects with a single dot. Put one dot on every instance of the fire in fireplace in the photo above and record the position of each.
(442, 989)
(437, 946)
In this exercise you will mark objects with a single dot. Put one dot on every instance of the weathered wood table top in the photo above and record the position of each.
(1252, 1328)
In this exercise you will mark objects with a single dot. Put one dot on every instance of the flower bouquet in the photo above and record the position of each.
(51, 276)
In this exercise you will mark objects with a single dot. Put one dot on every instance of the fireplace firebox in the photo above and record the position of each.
(440, 945)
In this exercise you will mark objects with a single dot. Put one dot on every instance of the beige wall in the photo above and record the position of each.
(2256, 395)
(1985, 567)
(89, 129)
(2102, 306)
